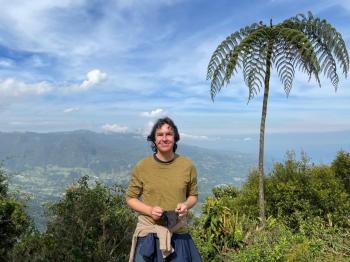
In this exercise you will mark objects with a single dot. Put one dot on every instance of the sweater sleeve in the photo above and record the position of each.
(192, 187)
(135, 187)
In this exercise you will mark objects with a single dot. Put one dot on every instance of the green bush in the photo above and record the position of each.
(341, 167)
(220, 230)
(277, 242)
(14, 221)
(296, 188)
(87, 224)
(308, 209)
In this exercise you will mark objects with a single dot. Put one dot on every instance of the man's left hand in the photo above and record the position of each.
(181, 209)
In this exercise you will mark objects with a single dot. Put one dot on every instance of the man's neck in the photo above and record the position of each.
(165, 156)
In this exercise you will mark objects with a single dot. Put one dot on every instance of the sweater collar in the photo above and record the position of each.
(164, 162)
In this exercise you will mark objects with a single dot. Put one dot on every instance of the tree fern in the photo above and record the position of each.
(303, 42)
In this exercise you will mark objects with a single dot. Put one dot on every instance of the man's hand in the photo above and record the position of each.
(181, 209)
(156, 212)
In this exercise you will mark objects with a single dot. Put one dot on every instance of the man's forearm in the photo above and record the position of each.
(191, 201)
(139, 206)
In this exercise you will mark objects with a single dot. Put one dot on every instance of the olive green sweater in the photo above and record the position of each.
(163, 184)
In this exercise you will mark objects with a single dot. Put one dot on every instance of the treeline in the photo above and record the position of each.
(308, 209)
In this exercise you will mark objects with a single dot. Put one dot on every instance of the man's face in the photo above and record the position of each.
(165, 139)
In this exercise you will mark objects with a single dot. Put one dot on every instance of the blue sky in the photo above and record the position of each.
(116, 66)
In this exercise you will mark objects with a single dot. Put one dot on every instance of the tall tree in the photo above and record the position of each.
(303, 42)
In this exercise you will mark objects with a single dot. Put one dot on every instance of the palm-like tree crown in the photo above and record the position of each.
(306, 43)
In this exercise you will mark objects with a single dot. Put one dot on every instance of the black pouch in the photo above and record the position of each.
(169, 218)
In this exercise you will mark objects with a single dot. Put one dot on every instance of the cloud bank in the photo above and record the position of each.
(154, 113)
(114, 128)
(11, 87)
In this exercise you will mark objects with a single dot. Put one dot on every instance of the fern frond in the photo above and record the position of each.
(302, 50)
(254, 66)
(328, 44)
(283, 60)
(226, 46)
(253, 63)
(226, 58)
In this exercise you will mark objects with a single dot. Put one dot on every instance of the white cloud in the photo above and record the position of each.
(246, 139)
(76, 29)
(155, 113)
(114, 128)
(94, 77)
(71, 109)
(147, 128)
(26, 29)
(196, 137)
(11, 87)
(14, 88)
(6, 63)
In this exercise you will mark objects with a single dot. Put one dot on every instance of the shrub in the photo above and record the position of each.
(308, 209)
(14, 221)
(341, 167)
(87, 224)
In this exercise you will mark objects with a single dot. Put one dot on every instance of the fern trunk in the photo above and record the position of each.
(262, 135)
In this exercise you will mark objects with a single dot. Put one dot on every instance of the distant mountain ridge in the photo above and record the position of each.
(43, 164)
(99, 152)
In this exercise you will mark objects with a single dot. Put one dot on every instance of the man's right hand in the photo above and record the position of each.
(156, 212)
(137, 205)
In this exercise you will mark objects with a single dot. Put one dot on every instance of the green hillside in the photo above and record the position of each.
(43, 164)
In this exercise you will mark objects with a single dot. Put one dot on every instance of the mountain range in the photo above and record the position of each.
(42, 165)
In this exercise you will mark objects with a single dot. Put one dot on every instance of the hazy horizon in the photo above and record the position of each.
(321, 147)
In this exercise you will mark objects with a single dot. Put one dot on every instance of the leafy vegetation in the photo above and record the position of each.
(308, 212)
(90, 223)
(341, 168)
(14, 221)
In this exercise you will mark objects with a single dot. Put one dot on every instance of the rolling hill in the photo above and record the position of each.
(42, 165)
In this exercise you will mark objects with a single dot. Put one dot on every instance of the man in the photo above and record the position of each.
(162, 189)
